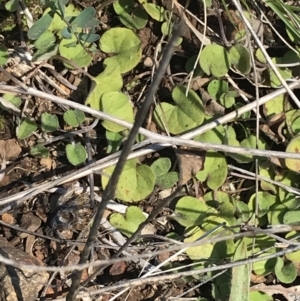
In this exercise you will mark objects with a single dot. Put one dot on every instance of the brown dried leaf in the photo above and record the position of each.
(29, 222)
(118, 268)
(8, 218)
(10, 149)
(191, 161)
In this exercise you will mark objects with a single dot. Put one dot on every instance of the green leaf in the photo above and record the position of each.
(215, 170)
(263, 204)
(88, 37)
(44, 54)
(284, 72)
(66, 33)
(46, 40)
(293, 147)
(123, 6)
(286, 272)
(40, 26)
(214, 60)
(137, 20)
(109, 80)
(74, 117)
(126, 46)
(261, 296)
(223, 203)
(227, 100)
(264, 267)
(276, 214)
(39, 151)
(114, 141)
(167, 180)
(242, 211)
(77, 53)
(129, 223)
(76, 154)
(84, 17)
(249, 142)
(294, 256)
(57, 23)
(135, 183)
(198, 252)
(187, 114)
(240, 281)
(49, 122)
(190, 211)
(291, 217)
(26, 128)
(118, 105)
(274, 106)
(240, 58)
(4, 56)
(14, 100)
(155, 11)
(217, 87)
(161, 166)
(12, 5)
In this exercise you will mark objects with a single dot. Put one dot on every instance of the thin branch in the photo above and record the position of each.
(110, 189)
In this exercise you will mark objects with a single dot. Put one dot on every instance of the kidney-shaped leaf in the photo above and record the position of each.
(240, 58)
(77, 53)
(190, 211)
(215, 170)
(108, 81)
(26, 128)
(198, 252)
(126, 46)
(135, 183)
(76, 153)
(187, 114)
(293, 147)
(118, 105)
(214, 60)
(155, 11)
(286, 272)
(129, 223)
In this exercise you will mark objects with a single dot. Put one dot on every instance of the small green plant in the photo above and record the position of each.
(128, 223)
(165, 179)
(136, 181)
(76, 153)
(65, 24)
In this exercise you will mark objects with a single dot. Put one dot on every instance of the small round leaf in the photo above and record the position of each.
(155, 11)
(286, 272)
(214, 60)
(240, 58)
(126, 46)
(69, 49)
(129, 223)
(49, 122)
(293, 147)
(26, 128)
(39, 151)
(135, 183)
(161, 166)
(187, 114)
(76, 154)
(118, 105)
(74, 117)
